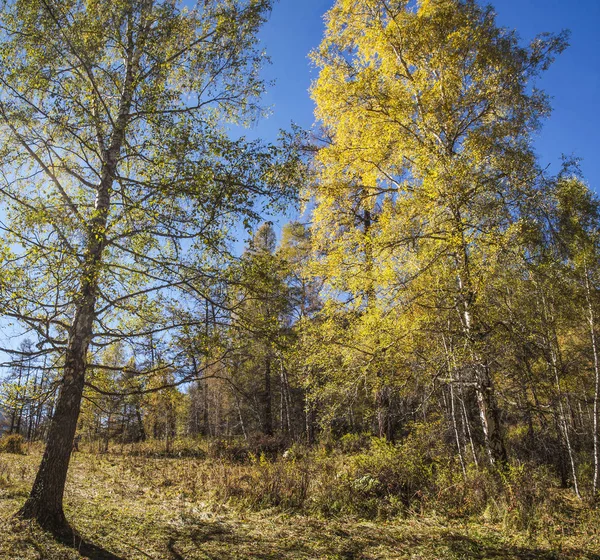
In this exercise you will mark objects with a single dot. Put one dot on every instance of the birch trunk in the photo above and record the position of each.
(489, 411)
(592, 325)
(267, 400)
(554, 354)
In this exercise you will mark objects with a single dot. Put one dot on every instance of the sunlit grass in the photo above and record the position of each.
(140, 506)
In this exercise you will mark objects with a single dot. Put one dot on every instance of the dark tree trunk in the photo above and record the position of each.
(141, 432)
(13, 418)
(45, 502)
(15, 423)
(384, 413)
(205, 411)
(32, 410)
(267, 398)
(489, 413)
(311, 417)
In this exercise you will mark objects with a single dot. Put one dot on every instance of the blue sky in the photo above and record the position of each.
(296, 27)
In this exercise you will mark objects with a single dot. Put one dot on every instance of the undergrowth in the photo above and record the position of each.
(360, 497)
(12, 443)
(360, 476)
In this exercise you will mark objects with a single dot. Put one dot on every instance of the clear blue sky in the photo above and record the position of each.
(296, 27)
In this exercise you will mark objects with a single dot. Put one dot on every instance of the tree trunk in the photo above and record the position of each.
(489, 411)
(451, 382)
(287, 400)
(490, 418)
(205, 415)
(32, 410)
(555, 362)
(596, 429)
(564, 425)
(141, 432)
(15, 424)
(384, 418)
(240, 416)
(267, 400)
(45, 502)
(466, 425)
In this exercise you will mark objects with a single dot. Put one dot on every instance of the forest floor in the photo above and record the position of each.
(139, 508)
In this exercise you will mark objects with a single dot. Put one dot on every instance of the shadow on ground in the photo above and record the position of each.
(89, 550)
(307, 539)
(199, 535)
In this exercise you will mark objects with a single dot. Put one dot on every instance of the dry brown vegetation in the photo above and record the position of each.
(208, 501)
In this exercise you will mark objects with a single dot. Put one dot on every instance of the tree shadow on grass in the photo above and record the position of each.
(19, 537)
(468, 548)
(308, 540)
(88, 549)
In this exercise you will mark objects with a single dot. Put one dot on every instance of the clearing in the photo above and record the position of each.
(129, 507)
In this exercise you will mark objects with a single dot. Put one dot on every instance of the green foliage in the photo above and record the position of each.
(354, 443)
(386, 479)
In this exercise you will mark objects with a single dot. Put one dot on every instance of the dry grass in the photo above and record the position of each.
(139, 507)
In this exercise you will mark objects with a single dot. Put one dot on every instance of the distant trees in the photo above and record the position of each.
(260, 306)
(27, 394)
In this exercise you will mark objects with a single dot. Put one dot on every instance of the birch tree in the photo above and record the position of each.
(427, 111)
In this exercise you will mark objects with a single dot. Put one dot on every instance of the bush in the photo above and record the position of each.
(527, 492)
(385, 480)
(518, 497)
(281, 483)
(234, 450)
(12, 443)
(262, 483)
(354, 443)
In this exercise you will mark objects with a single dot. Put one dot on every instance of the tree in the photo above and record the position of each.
(578, 233)
(258, 320)
(427, 113)
(565, 269)
(118, 178)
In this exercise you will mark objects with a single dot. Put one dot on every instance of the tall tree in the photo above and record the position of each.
(118, 178)
(258, 319)
(427, 110)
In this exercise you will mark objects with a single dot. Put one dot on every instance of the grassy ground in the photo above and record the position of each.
(164, 508)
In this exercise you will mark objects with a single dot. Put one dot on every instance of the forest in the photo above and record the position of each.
(408, 367)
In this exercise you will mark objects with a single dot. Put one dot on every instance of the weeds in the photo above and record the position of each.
(307, 503)
(12, 443)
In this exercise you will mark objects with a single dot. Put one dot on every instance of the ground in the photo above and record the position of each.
(161, 508)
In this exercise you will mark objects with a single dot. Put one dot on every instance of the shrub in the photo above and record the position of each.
(354, 443)
(280, 483)
(12, 443)
(527, 489)
(385, 480)
(263, 483)
(234, 450)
